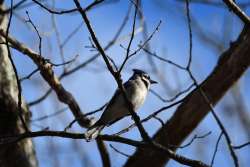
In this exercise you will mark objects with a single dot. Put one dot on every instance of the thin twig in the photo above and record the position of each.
(242, 145)
(40, 99)
(29, 75)
(118, 151)
(216, 148)
(174, 97)
(58, 37)
(66, 11)
(163, 59)
(130, 41)
(53, 64)
(190, 35)
(50, 115)
(144, 44)
(193, 139)
(37, 32)
(65, 62)
(67, 39)
(85, 115)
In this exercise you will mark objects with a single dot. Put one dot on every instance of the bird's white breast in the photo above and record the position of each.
(137, 94)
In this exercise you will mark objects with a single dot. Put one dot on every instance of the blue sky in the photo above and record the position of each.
(93, 85)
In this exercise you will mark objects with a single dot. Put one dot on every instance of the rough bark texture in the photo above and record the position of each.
(231, 66)
(20, 154)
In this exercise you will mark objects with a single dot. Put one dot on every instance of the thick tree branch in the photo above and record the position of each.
(5, 140)
(47, 72)
(231, 66)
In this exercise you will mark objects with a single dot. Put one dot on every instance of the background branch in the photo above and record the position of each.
(232, 64)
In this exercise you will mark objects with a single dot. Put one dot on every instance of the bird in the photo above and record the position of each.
(136, 89)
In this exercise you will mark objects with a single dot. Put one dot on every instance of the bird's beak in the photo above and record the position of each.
(152, 81)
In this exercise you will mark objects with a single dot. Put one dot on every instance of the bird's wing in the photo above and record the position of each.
(117, 93)
(110, 114)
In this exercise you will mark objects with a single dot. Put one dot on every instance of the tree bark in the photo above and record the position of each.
(231, 66)
(20, 154)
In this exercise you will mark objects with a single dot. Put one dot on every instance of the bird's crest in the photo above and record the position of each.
(138, 71)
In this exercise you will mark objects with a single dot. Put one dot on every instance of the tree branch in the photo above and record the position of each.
(231, 66)
(236, 9)
(115, 74)
(140, 144)
(48, 74)
(104, 153)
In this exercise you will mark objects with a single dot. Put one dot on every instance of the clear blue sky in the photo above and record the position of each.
(93, 85)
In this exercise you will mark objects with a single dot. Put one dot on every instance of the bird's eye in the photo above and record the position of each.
(146, 76)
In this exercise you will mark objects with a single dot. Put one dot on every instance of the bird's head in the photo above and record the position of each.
(144, 77)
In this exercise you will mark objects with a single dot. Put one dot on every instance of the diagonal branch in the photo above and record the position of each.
(115, 74)
(236, 9)
(48, 74)
(231, 66)
(146, 138)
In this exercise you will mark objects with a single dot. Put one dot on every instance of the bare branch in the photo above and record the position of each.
(236, 9)
(29, 75)
(193, 139)
(131, 38)
(163, 59)
(88, 61)
(173, 98)
(104, 153)
(37, 32)
(85, 115)
(66, 11)
(47, 72)
(181, 159)
(232, 64)
(216, 148)
(50, 115)
(145, 43)
(115, 74)
(190, 35)
(118, 151)
(242, 145)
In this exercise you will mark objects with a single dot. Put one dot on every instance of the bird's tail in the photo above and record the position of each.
(93, 132)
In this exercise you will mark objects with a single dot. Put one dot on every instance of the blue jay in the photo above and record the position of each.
(136, 88)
